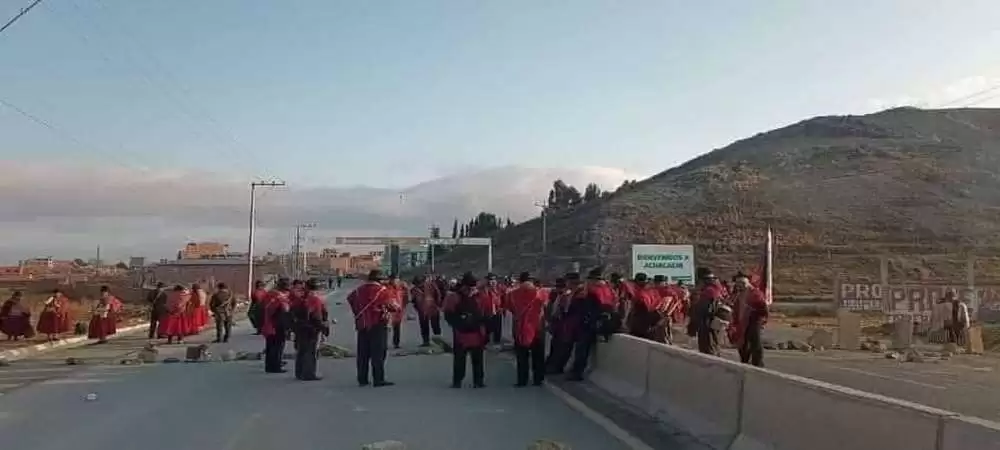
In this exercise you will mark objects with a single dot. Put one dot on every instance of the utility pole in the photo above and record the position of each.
(545, 228)
(302, 269)
(253, 212)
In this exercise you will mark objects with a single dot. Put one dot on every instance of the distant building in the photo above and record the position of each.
(207, 272)
(204, 250)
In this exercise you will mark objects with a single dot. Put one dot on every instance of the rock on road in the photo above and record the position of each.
(234, 405)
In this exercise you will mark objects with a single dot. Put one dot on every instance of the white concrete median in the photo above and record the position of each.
(732, 406)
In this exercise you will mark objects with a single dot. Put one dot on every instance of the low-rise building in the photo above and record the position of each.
(207, 272)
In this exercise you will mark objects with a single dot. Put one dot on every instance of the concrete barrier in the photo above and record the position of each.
(732, 406)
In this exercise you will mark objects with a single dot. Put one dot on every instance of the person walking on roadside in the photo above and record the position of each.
(426, 300)
(157, 302)
(311, 321)
(749, 315)
(372, 306)
(223, 305)
(526, 304)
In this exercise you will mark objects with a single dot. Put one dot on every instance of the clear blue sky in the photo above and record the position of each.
(335, 92)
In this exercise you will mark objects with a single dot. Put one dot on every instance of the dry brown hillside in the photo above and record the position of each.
(905, 181)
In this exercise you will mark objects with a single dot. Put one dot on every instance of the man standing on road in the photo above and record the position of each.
(157, 301)
(749, 315)
(223, 305)
(465, 310)
(491, 300)
(311, 321)
(709, 313)
(397, 293)
(427, 301)
(275, 326)
(372, 306)
(527, 307)
(257, 300)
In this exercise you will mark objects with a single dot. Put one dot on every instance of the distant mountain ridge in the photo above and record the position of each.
(902, 181)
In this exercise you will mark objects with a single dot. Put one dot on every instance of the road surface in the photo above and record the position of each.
(235, 405)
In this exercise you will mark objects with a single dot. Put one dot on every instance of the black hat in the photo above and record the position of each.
(282, 283)
(375, 275)
(641, 277)
(524, 277)
(160, 285)
(740, 274)
(468, 279)
(572, 276)
(615, 276)
(596, 273)
(312, 284)
(659, 279)
(491, 276)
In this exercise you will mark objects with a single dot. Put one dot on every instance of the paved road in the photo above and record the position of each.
(223, 406)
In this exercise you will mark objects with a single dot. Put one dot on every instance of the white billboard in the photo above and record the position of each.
(676, 262)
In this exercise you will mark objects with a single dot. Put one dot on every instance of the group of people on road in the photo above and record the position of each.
(55, 318)
(574, 314)
(292, 310)
(182, 312)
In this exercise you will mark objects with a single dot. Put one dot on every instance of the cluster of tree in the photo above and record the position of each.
(483, 224)
(563, 196)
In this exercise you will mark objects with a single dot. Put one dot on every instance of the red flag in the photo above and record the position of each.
(763, 277)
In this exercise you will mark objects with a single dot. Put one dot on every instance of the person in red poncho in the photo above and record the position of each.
(256, 311)
(173, 325)
(54, 319)
(561, 325)
(709, 315)
(492, 300)
(594, 305)
(624, 291)
(275, 326)
(749, 315)
(426, 299)
(311, 321)
(372, 306)
(465, 311)
(114, 311)
(397, 293)
(650, 318)
(526, 304)
(15, 319)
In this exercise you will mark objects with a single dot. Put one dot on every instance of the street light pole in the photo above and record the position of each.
(253, 226)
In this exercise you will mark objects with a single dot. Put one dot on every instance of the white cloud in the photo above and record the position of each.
(67, 211)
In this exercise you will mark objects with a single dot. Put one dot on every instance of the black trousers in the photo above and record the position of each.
(255, 314)
(372, 350)
(223, 327)
(531, 357)
(154, 323)
(752, 350)
(428, 323)
(559, 354)
(305, 356)
(459, 355)
(397, 331)
(494, 328)
(274, 349)
(583, 347)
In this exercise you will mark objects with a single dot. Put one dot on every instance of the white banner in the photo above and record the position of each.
(676, 262)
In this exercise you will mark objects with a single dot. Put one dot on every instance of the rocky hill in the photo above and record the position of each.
(837, 191)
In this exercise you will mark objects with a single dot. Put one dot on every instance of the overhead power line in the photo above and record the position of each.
(18, 16)
(45, 124)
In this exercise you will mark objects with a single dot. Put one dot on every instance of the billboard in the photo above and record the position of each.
(676, 262)
(915, 300)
